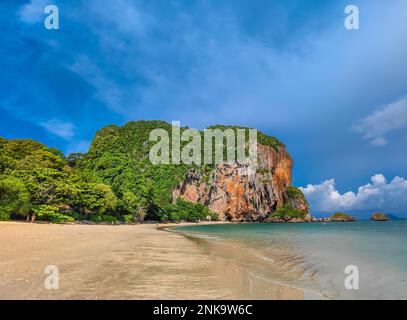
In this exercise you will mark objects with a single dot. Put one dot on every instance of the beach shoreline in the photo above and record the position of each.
(142, 261)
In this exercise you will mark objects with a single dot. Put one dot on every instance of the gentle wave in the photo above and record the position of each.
(313, 257)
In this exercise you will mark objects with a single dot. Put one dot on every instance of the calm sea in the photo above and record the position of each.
(313, 256)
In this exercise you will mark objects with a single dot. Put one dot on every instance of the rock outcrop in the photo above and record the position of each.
(342, 217)
(296, 200)
(239, 197)
(378, 216)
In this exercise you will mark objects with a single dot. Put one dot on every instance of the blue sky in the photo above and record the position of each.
(336, 98)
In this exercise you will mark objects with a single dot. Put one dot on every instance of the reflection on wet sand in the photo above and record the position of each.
(127, 262)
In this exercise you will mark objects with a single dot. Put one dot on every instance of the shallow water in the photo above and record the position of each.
(313, 256)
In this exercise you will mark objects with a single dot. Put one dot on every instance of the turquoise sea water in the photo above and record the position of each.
(313, 256)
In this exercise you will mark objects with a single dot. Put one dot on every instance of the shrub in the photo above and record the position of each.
(4, 216)
(103, 218)
(174, 216)
(60, 218)
(96, 218)
(14, 198)
(128, 218)
(108, 218)
(51, 213)
(75, 215)
(286, 211)
(187, 211)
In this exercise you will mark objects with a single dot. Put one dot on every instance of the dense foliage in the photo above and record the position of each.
(14, 198)
(37, 179)
(114, 181)
(261, 137)
(185, 211)
(286, 212)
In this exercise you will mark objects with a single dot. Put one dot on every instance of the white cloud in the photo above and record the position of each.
(379, 194)
(61, 129)
(381, 122)
(34, 11)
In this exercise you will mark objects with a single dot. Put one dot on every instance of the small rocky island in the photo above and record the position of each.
(342, 217)
(378, 216)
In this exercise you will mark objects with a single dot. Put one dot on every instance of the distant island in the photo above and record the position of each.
(342, 217)
(378, 216)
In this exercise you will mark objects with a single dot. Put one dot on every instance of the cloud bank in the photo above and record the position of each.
(379, 194)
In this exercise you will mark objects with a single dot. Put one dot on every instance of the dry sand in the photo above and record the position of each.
(120, 262)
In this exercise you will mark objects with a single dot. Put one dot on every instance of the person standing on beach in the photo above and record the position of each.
(29, 217)
(33, 217)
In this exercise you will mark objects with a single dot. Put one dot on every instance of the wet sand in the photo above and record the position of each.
(122, 262)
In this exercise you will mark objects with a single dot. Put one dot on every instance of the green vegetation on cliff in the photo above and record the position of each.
(261, 137)
(115, 180)
(294, 198)
(293, 193)
(287, 212)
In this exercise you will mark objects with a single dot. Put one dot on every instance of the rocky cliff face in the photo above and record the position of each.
(238, 197)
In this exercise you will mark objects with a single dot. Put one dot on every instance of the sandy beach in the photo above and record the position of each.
(121, 262)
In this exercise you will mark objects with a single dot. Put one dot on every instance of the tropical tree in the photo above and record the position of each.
(14, 198)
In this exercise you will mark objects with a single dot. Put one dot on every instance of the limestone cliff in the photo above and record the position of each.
(238, 197)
